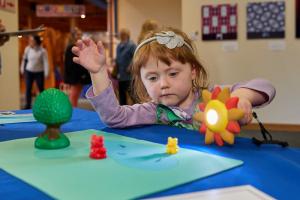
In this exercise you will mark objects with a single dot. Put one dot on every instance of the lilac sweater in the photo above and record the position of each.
(114, 115)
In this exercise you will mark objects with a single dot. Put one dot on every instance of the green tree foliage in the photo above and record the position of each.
(52, 107)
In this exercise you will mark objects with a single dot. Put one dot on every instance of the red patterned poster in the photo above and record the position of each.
(219, 22)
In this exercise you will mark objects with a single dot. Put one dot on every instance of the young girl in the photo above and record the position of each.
(168, 80)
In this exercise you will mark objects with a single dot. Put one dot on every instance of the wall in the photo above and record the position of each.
(253, 59)
(132, 14)
(9, 79)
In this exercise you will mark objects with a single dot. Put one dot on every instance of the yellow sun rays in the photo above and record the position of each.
(218, 116)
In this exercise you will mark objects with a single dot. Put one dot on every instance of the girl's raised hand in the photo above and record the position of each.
(89, 55)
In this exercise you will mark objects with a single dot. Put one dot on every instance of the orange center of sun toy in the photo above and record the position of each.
(218, 116)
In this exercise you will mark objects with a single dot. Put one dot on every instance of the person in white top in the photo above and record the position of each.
(3, 39)
(34, 66)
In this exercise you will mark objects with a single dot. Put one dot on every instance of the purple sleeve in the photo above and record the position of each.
(116, 116)
(260, 85)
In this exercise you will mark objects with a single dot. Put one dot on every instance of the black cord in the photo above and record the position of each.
(268, 139)
(263, 130)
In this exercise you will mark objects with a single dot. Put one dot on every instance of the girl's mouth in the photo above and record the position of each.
(165, 95)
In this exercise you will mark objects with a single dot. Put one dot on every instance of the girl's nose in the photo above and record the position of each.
(164, 83)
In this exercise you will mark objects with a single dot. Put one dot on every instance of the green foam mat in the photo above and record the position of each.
(133, 168)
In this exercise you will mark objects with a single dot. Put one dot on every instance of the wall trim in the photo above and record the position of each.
(274, 127)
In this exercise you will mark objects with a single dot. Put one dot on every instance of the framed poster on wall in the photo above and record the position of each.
(219, 22)
(297, 18)
(266, 20)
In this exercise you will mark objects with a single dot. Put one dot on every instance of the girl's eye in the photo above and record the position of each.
(152, 78)
(173, 74)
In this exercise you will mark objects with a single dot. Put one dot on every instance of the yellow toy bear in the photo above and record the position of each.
(172, 146)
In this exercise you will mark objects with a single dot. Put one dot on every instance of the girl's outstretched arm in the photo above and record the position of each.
(247, 98)
(92, 57)
(253, 93)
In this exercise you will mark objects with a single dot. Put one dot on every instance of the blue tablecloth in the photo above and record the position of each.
(271, 169)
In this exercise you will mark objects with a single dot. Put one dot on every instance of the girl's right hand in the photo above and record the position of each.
(89, 55)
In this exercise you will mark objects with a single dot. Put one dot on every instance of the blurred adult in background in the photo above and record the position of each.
(34, 66)
(3, 38)
(75, 76)
(125, 52)
(148, 25)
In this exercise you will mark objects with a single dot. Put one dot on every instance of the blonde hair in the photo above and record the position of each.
(181, 54)
(73, 35)
(148, 25)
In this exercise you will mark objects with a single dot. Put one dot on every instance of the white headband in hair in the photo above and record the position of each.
(168, 38)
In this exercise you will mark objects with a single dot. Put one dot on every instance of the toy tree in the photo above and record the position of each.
(52, 108)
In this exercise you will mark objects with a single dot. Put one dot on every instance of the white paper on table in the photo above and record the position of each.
(245, 192)
(16, 118)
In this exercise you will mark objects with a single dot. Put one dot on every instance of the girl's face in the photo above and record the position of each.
(169, 85)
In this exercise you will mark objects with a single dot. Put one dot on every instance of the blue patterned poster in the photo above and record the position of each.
(266, 20)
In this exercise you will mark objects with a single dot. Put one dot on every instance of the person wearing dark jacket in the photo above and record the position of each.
(75, 76)
(125, 52)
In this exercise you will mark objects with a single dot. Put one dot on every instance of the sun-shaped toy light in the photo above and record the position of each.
(218, 116)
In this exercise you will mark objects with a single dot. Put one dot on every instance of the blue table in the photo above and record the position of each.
(271, 169)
